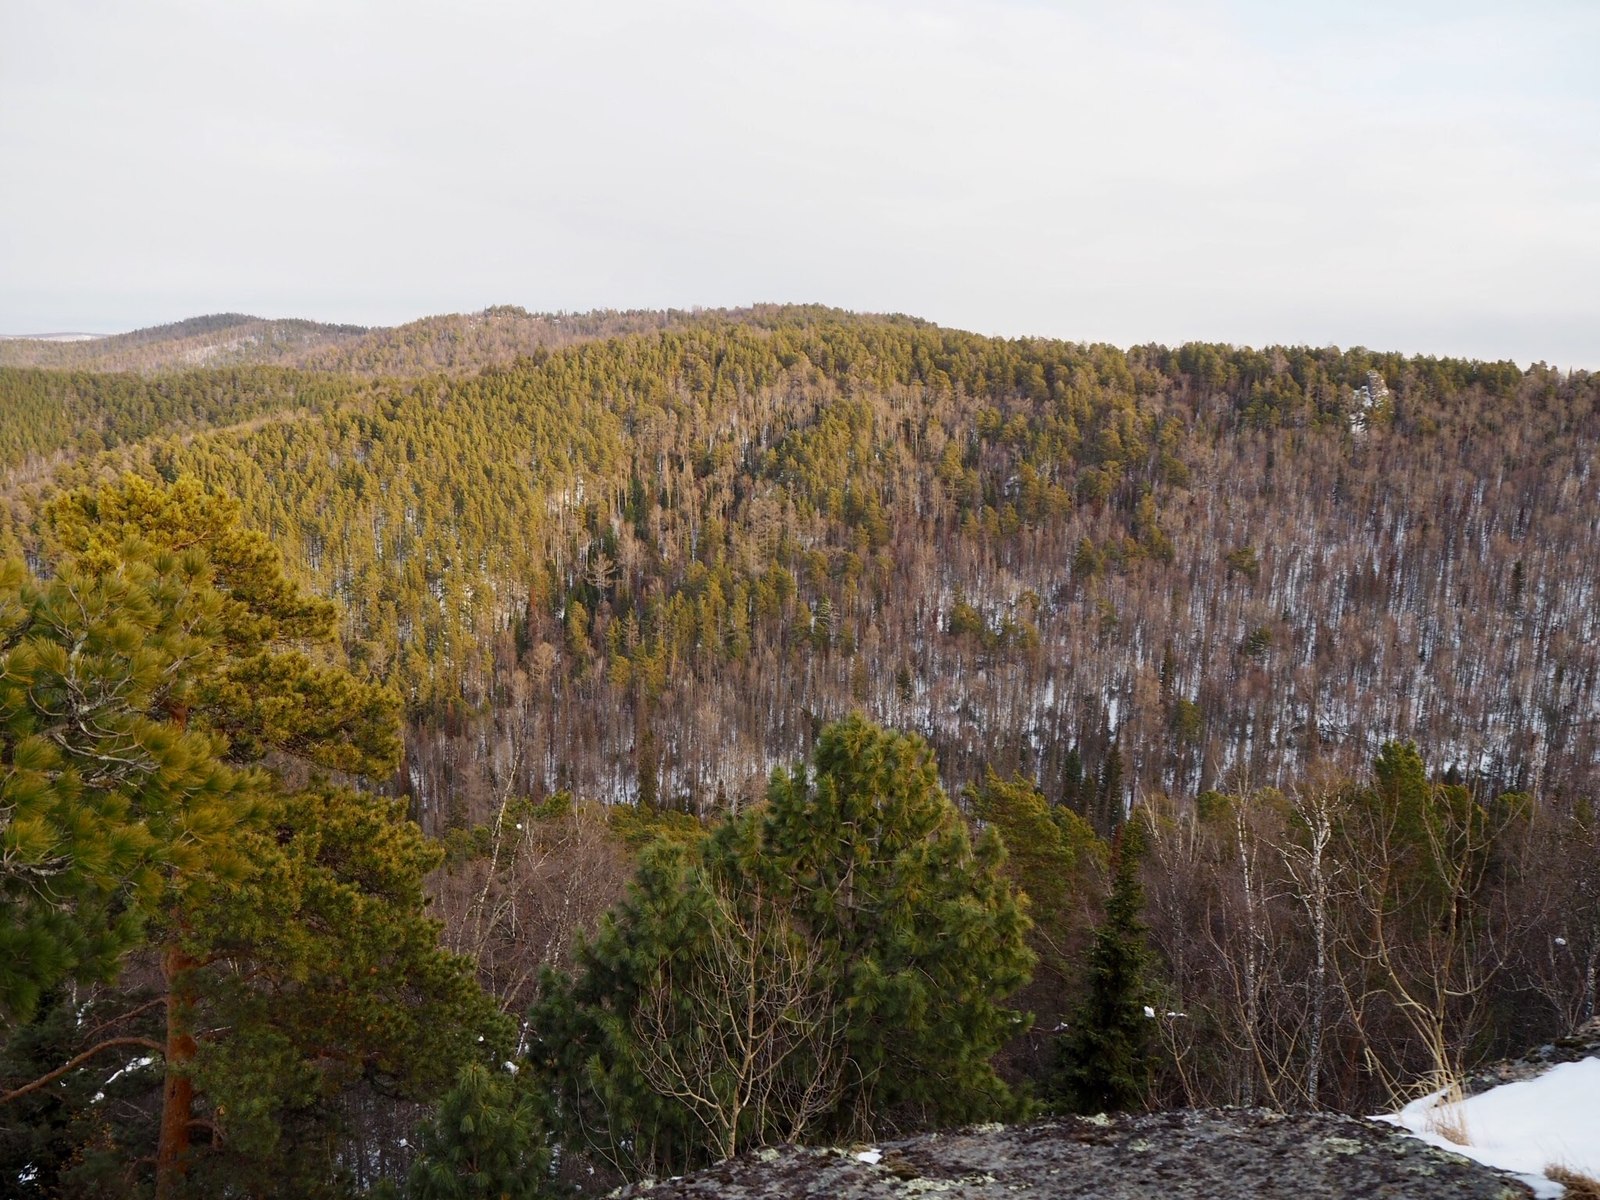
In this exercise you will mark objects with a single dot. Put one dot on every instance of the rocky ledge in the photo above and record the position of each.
(1180, 1155)
(1583, 1042)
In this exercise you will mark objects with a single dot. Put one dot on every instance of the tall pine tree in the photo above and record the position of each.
(285, 929)
(1104, 1057)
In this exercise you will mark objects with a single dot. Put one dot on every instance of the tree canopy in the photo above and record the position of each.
(830, 964)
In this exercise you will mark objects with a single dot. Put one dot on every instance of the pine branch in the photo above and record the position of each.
(74, 1063)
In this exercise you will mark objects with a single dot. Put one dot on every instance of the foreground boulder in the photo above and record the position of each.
(1178, 1155)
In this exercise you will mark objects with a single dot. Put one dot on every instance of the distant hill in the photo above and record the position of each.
(459, 343)
(217, 340)
(451, 344)
(463, 343)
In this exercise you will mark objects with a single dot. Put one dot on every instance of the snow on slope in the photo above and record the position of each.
(1523, 1127)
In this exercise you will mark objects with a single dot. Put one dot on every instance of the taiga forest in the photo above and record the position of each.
(514, 754)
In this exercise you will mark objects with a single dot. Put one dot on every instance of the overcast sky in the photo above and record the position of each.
(1422, 177)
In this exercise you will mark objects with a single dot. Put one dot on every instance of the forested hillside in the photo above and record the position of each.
(983, 725)
(656, 564)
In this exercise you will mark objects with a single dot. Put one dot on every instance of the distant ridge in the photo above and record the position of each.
(220, 322)
(451, 344)
(219, 339)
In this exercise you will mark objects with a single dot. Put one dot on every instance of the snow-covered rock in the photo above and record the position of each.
(1525, 1127)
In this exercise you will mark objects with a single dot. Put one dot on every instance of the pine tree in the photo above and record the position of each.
(100, 801)
(264, 680)
(927, 933)
(1049, 853)
(328, 978)
(287, 928)
(250, 684)
(486, 1142)
(1072, 782)
(1104, 1058)
(1108, 807)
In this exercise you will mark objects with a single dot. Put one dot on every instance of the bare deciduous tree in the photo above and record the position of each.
(724, 1033)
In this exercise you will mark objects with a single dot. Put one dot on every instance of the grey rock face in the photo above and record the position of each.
(1180, 1155)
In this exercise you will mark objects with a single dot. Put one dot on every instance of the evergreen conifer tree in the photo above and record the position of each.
(486, 1142)
(100, 799)
(1104, 1058)
(1072, 782)
(1108, 794)
(142, 690)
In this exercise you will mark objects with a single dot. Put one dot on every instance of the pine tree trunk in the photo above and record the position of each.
(177, 1106)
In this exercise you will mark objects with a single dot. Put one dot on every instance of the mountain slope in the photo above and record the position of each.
(655, 564)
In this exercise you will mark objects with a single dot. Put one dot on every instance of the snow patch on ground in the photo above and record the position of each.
(1522, 1127)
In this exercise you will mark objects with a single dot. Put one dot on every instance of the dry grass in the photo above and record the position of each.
(1447, 1118)
(1579, 1186)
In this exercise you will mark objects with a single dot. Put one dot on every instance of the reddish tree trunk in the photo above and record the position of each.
(177, 1105)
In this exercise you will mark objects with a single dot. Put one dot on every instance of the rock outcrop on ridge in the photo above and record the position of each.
(1175, 1155)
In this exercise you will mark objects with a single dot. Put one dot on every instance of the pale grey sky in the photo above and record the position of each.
(1414, 176)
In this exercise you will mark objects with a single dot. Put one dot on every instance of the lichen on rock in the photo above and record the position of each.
(1177, 1155)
